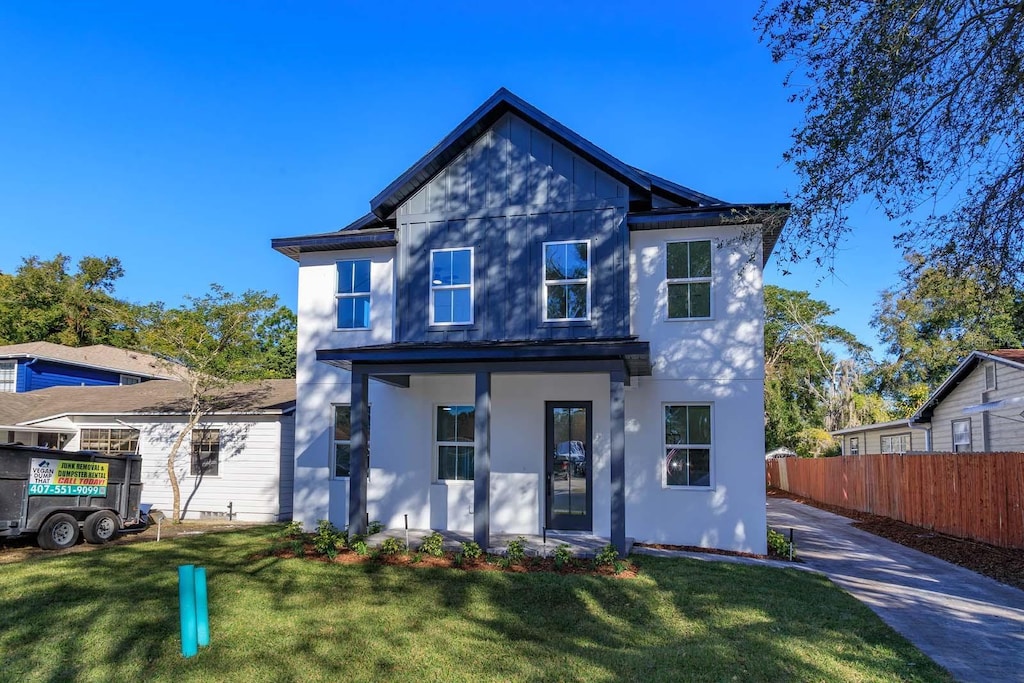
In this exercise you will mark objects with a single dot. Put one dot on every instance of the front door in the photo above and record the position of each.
(569, 465)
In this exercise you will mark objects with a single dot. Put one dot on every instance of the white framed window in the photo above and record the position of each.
(454, 439)
(566, 281)
(895, 443)
(109, 441)
(341, 444)
(962, 436)
(688, 278)
(8, 376)
(854, 445)
(990, 376)
(353, 294)
(205, 452)
(128, 380)
(688, 461)
(451, 286)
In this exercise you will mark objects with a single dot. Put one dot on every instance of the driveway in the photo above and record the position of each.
(968, 623)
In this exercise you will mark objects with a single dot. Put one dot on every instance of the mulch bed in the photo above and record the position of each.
(1005, 565)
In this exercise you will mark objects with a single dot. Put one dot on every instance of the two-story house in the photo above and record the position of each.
(527, 334)
(40, 365)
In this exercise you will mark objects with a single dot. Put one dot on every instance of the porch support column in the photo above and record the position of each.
(618, 461)
(360, 437)
(482, 462)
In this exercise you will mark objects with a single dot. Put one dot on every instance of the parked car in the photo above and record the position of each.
(571, 456)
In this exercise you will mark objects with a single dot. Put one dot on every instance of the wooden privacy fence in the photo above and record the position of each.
(969, 495)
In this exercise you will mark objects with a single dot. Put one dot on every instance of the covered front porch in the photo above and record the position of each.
(393, 365)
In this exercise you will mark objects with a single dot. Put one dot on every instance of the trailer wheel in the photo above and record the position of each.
(100, 526)
(58, 532)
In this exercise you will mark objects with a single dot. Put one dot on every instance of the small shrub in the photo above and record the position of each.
(298, 548)
(294, 530)
(433, 545)
(392, 546)
(620, 566)
(360, 548)
(563, 556)
(328, 540)
(471, 550)
(374, 527)
(516, 550)
(778, 544)
(416, 557)
(607, 555)
(457, 560)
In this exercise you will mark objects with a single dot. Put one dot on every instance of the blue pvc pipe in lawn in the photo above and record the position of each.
(202, 609)
(187, 607)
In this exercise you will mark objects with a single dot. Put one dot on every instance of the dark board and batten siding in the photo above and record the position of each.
(508, 193)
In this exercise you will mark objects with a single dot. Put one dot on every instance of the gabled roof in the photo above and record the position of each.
(499, 104)
(148, 398)
(97, 356)
(1010, 357)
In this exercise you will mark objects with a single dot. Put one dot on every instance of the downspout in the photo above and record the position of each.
(927, 434)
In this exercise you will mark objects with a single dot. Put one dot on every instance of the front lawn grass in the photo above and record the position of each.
(112, 614)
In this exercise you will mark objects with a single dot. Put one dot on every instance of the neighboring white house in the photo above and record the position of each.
(238, 461)
(979, 408)
(534, 335)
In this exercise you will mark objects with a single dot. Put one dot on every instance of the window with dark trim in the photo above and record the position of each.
(455, 436)
(342, 441)
(205, 452)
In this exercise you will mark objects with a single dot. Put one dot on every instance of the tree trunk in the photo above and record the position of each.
(172, 456)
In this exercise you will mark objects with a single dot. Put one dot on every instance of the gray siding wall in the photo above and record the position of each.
(996, 430)
(508, 193)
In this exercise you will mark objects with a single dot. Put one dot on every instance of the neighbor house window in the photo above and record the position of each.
(688, 275)
(896, 443)
(205, 452)
(990, 376)
(8, 376)
(127, 380)
(566, 280)
(962, 436)
(688, 445)
(353, 294)
(451, 287)
(455, 436)
(110, 441)
(854, 445)
(342, 448)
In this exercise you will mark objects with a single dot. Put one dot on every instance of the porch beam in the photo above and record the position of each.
(618, 461)
(380, 370)
(359, 411)
(482, 461)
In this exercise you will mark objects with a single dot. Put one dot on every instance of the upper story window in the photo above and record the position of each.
(353, 294)
(8, 375)
(897, 443)
(128, 380)
(688, 274)
(962, 436)
(567, 280)
(451, 286)
(688, 445)
(990, 376)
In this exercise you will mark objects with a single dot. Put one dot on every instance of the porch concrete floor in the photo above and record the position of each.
(580, 544)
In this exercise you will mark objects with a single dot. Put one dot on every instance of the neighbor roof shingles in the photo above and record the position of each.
(97, 356)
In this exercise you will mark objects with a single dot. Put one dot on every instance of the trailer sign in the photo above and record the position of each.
(67, 478)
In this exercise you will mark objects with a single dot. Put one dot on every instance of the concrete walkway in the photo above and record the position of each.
(969, 624)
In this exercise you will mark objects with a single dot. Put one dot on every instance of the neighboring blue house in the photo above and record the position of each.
(549, 340)
(40, 365)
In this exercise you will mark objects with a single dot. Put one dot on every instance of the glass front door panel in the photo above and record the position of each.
(569, 466)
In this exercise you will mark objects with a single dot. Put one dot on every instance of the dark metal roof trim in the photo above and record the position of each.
(679, 192)
(292, 247)
(470, 129)
(634, 354)
(698, 217)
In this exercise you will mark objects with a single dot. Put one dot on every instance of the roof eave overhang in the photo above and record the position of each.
(924, 413)
(294, 247)
(499, 104)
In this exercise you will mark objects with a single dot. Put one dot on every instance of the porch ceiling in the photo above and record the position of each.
(627, 354)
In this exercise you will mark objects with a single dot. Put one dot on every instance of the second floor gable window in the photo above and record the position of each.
(451, 287)
(353, 294)
(566, 281)
(688, 272)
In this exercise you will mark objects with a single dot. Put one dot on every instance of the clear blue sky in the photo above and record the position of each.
(182, 137)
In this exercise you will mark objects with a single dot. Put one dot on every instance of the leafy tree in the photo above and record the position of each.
(916, 105)
(45, 301)
(934, 320)
(806, 385)
(216, 339)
